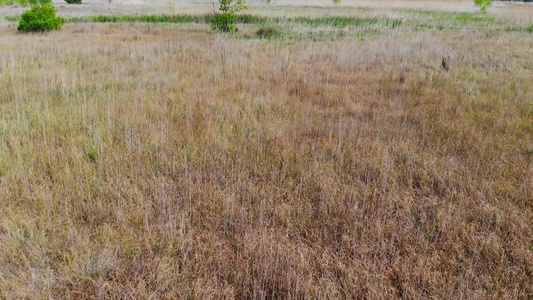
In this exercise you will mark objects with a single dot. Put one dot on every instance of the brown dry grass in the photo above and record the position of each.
(144, 161)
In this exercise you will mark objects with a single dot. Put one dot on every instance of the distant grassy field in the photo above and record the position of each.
(352, 154)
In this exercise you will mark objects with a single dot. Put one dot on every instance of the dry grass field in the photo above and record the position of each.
(165, 161)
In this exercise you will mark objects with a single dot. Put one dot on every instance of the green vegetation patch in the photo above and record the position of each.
(40, 18)
(340, 22)
(527, 28)
(24, 2)
(451, 16)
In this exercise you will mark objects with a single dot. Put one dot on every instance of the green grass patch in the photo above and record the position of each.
(527, 28)
(24, 2)
(12, 18)
(451, 16)
(144, 19)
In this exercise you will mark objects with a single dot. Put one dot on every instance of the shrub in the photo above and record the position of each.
(267, 32)
(73, 1)
(40, 18)
(225, 21)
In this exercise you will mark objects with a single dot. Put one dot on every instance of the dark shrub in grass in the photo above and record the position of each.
(267, 32)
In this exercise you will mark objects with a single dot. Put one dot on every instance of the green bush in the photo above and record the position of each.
(40, 18)
(73, 1)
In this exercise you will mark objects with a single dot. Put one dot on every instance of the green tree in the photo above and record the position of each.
(40, 18)
(484, 4)
(224, 19)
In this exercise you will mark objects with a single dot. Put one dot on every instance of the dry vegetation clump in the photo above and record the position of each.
(153, 162)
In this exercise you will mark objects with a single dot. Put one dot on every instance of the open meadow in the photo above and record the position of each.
(369, 150)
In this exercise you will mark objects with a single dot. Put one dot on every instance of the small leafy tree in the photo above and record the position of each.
(225, 21)
(40, 18)
(484, 4)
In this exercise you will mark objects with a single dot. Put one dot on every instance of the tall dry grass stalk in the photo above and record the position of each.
(144, 161)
